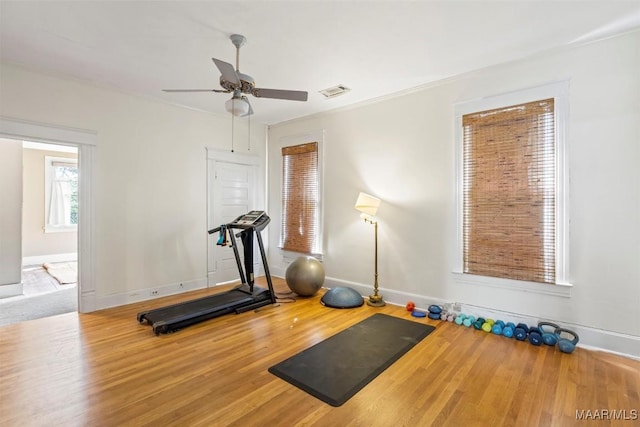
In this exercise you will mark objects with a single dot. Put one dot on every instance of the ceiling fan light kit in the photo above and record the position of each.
(239, 107)
(233, 81)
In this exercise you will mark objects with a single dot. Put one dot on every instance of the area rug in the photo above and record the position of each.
(22, 308)
(64, 272)
(340, 366)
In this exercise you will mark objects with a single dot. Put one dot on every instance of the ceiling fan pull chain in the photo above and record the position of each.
(249, 149)
(234, 102)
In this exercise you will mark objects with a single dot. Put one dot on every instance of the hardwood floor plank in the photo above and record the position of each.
(104, 369)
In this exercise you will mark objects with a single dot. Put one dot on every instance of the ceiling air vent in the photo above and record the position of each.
(332, 92)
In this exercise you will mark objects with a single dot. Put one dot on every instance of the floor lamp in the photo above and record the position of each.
(368, 206)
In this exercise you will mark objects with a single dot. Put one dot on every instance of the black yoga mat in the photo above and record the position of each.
(338, 367)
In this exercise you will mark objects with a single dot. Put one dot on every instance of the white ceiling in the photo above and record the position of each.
(373, 47)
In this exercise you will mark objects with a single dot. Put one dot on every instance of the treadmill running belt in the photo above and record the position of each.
(199, 306)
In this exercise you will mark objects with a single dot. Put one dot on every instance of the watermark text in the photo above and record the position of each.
(607, 414)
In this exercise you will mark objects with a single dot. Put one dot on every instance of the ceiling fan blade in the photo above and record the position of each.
(228, 72)
(196, 90)
(292, 95)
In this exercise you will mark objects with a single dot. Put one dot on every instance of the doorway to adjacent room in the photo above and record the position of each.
(232, 181)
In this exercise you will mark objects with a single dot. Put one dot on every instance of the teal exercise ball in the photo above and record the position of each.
(305, 276)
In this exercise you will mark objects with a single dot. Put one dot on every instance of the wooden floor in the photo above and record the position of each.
(104, 369)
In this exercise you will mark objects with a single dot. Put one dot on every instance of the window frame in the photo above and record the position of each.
(288, 141)
(559, 91)
(48, 171)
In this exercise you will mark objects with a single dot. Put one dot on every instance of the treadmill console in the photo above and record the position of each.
(249, 218)
(253, 219)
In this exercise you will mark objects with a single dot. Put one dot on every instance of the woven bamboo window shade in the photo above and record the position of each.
(509, 168)
(300, 198)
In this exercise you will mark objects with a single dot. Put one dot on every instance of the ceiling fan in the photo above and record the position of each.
(237, 83)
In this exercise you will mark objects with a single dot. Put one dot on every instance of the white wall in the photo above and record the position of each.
(402, 150)
(10, 219)
(150, 177)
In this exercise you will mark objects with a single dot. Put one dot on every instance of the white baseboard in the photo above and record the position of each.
(10, 290)
(277, 271)
(87, 301)
(590, 338)
(138, 295)
(41, 259)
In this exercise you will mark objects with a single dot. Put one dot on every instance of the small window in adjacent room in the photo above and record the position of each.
(61, 194)
(300, 230)
(512, 188)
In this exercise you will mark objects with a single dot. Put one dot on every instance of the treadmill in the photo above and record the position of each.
(243, 298)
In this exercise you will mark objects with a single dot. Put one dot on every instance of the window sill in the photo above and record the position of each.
(61, 229)
(290, 256)
(559, 289)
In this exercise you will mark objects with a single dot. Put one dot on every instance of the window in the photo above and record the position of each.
(61, 194)
(512, 198)
(301, 225)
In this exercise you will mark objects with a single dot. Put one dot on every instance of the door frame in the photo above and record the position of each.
(254, 160)
(86, 141)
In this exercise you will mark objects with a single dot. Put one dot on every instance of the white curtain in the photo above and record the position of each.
(60, 205)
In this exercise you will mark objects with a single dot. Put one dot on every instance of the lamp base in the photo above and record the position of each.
(376, 301)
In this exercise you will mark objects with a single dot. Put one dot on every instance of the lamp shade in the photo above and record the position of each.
(237, 106)
(367, 204)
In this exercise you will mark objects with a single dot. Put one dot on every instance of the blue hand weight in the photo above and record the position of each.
(460, 318)
(566, 345)
(434, 316)
(521, 331)
(435, 309)
(508, 331)
(497, 328)
(548, 335)
(535, 338)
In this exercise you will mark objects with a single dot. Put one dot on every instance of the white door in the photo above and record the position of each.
(232, 189)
